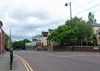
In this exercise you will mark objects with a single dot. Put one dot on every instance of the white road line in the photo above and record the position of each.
(27, 66)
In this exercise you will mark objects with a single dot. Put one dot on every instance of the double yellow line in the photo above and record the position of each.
(27, 66)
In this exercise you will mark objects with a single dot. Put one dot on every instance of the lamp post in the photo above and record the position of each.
(69, 4)
(70, 9)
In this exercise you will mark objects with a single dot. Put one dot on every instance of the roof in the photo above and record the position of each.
(44, 34)
(36, 36)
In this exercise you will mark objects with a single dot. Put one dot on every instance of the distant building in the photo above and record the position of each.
(44, 38)
(37, 42)
(96, 31)
(40, 41)
(29, 46)
(2, 49)
(37, 37)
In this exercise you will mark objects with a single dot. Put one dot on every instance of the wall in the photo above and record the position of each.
(44, 41)
(80, 48)
(1, 42)
(95, 31)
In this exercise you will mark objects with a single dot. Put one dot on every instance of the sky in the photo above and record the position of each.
(27, 18)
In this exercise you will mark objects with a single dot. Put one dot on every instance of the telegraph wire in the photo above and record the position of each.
(87, 9)
(84, 10)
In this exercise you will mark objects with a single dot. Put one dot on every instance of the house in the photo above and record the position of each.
(29, 46)
(44, 40)
(36, 40)
(37, 37)
(96, 31)
(2, 49)
(34, 44)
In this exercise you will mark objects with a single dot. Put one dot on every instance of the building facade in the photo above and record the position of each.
(2, 49)
(44, 40)
(37, 42)
(29, 46)
(34, 44)
(96, 31)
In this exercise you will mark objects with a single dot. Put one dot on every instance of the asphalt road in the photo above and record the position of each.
(62, 61)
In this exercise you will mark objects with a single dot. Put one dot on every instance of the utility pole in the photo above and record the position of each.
(70, 19)
(70, 9)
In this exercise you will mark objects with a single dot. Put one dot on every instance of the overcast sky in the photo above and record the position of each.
(27, 18)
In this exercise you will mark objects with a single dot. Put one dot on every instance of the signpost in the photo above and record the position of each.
(11, 58)
(11, 52)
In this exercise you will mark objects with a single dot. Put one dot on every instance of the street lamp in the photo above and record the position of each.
(70, 19)
(70, 9)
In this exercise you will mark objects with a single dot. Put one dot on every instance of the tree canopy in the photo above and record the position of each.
(91, 18)
(6, 40)
(74, 32)
(20, 44)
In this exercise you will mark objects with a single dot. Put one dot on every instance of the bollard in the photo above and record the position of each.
(11, 58)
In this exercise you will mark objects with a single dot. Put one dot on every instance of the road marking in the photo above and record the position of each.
(27, 66)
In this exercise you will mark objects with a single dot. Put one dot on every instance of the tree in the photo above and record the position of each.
(20, 44)
(6, 40)
(91, 18)
(59, 34)
(80, 29)
(74, 31)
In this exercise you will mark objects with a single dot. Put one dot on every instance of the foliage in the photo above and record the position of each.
(74, 31)
(20, 44)
(91, 18)
(6, 40)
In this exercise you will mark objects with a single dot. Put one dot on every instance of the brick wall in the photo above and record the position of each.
(88, 48)
(1, 38)
(79, 48)
(1, 42)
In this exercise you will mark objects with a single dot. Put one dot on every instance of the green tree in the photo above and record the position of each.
(60, 34)
(6, 40)
(74, 31)
(91, 18)
(80, 30)
(20, 44)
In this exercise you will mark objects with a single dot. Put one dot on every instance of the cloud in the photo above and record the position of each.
(27, 18)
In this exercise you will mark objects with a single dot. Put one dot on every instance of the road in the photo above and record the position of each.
(61, 61)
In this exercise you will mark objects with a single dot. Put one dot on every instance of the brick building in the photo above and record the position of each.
(1, 38)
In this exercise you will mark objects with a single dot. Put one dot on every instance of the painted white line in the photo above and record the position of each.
(27, 66)
(22, 62)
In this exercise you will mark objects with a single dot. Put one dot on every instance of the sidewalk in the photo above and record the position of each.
(5, 60)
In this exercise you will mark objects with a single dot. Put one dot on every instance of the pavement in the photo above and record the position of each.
(5, 61)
